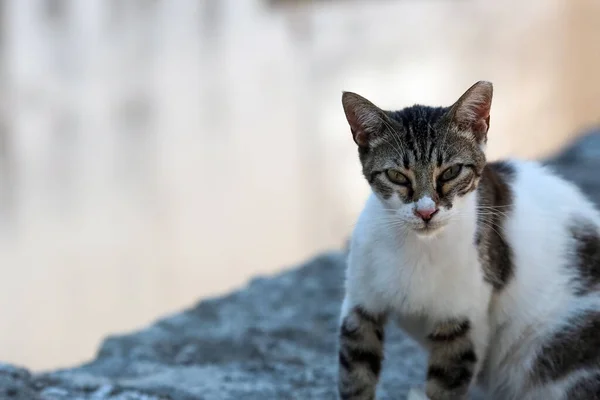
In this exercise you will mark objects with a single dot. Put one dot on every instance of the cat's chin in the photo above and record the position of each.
(428, 231)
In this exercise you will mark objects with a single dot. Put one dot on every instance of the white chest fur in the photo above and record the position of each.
(393, 270)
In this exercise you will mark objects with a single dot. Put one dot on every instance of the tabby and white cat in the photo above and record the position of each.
(493, 267)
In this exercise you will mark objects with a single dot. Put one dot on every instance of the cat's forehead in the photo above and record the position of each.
(419, 117)
(421, 134)
(419, 137)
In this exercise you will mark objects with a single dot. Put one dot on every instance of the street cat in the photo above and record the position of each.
(494, 268)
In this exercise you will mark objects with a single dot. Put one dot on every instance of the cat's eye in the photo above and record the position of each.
(397, 177)
(451, 172)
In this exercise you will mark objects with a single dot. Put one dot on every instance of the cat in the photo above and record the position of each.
(493, 267)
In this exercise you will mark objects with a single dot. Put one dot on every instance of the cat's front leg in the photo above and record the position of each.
(360, 352)
(457, 350)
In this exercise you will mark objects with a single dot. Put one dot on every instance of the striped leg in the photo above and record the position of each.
(452, 361)
(586, 388)
(360, 354)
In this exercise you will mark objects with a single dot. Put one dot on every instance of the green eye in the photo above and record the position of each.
(397, 177)
(451, 173)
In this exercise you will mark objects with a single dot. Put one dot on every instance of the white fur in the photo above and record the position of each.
(416, 394)
(425, 203)
(424, 276)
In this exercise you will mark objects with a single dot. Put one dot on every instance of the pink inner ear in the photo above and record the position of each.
(356, 128)
(361, 117)
(359, 136)
(353, 122)
(473, 109)
(482, 125)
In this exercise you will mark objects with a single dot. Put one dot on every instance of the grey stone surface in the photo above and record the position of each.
(275, 339)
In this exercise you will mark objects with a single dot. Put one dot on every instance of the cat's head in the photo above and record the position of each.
(423, 162)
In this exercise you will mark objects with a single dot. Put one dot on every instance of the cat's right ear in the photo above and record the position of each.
(471, 113)
(365, 118)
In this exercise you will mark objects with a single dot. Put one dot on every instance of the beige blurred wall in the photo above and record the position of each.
(154, 153)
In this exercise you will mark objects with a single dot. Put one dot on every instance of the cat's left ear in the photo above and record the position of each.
(365, 118)
(471, 113)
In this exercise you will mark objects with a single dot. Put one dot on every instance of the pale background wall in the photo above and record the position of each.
(153, 152)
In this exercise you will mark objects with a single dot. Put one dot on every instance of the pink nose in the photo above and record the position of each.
(426, 213)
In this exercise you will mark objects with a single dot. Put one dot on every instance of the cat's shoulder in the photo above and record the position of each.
(510, 169)
(540, 189)
(532, 177)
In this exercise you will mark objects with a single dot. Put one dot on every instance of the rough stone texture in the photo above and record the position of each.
(275, 339)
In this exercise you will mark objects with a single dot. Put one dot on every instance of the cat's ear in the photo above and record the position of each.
(471, 113)
(364, 117)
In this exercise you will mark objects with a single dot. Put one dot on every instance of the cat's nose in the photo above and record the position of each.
(426, 213)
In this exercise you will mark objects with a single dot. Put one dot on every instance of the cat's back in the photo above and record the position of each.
(546, 219)
(553, 250)
(540, 192)
(552, 231)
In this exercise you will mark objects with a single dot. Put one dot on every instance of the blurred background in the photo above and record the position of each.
(154, 152)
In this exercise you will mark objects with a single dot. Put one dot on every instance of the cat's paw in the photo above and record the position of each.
(417, 394)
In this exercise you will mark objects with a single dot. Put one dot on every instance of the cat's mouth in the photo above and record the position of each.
(428, 229)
